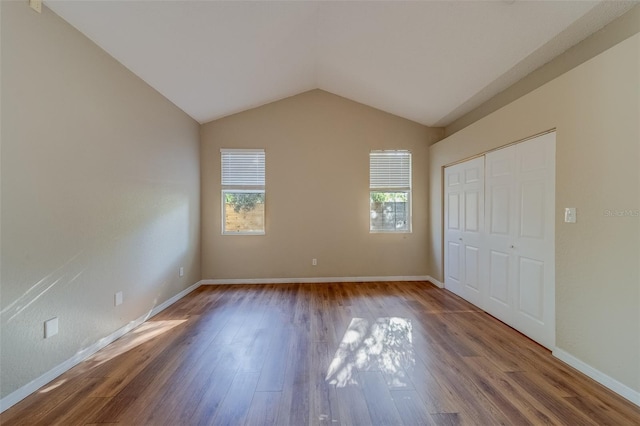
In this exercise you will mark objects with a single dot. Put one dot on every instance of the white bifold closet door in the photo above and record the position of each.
(514, 247)
(520, 229)
(464, 221)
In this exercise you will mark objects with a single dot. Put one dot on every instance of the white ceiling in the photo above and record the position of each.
(429, 61)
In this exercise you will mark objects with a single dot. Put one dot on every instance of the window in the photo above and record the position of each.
(390, 191)
(243, 191)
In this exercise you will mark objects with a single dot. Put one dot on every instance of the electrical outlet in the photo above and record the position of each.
(314, 262)
(181, 272)
(51, 327)
(118, 298)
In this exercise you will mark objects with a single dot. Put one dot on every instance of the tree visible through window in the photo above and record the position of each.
(243, 194)
(390, 191)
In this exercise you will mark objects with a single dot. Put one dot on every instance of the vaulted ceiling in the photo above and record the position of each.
(429, 61)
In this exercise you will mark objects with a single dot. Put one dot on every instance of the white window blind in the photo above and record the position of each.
(390, 170)
(243, 167)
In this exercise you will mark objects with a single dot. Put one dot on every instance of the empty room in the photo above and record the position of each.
(319, 212)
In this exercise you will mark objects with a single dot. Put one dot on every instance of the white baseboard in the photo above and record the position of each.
(435, 282)
(597, 375)
(31, 387)
(312, 280)
(164, 305)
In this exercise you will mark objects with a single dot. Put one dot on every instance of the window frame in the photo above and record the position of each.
(241, 186)
(398, 181)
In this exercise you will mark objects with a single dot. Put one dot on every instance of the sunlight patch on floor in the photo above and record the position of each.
(383, 345)
(53, 386)
(136, 337)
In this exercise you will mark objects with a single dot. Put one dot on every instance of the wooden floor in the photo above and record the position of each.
(298, 354)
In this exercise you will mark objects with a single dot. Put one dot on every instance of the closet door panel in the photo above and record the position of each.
(464, 224)
(500, 210)
(453, 212)
(454, 266)
(472, 214)
(472, 234)
(534, 313)
(500, 185)
(453, 229)
(472, 268)
(499, 281)
(531, 289)
(532, 203)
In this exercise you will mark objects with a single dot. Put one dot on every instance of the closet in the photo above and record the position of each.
(499, 234)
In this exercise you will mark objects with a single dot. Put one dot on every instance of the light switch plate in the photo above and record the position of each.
(118, 298)
(50, 327)
(570, 215)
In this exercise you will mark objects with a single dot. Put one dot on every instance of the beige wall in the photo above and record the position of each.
(595, 109)
(317, 198)
(611, 34)
(100, 193)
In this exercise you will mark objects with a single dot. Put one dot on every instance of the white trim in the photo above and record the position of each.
(312, 280)
(434, 281)
(31, 387)
(164, 305)
(597, 375)
(245, 150)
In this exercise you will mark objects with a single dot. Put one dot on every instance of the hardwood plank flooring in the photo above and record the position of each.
(386, 353)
